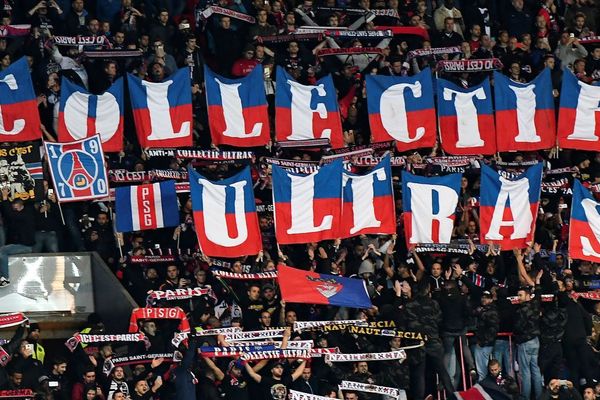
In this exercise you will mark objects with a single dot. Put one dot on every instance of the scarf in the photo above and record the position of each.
(15, 30)
(300, 326)
(254, 335)
(12, 319)
(434, 51)
(388, 12)
(230, 13)
(295, 166)
(349, 51)
(275, 355)
(4, 357)
(306, 396)
(211, 155)
(122, 175)
(231, 351)
(16, 394)
(179, 337)
(488, 64)
(72, 342)
(177, 294)
(368, 388)
(390, 355)
(343, 34)
(405, 30)
(158, 313)
(371, 161)
(151, 259)
(80, 40)
(246, 277)
(292, 344)
(111, 363)
(320, 142)
(292, 37)
(112, 53)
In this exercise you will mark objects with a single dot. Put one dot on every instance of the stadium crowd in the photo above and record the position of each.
(476, 332)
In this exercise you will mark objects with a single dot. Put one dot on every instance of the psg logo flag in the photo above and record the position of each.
(304, 112)
(237, 109)
(299, 286)
(78, 170)
(150, 206)
(225, 215)
(508, 206)
(162, 111)
(466, 118)
(82, 114)
(401, 108)
(369, 202)
(525, 117)
(584, 229)
(308, 208)
(19, 117)
(429, 207)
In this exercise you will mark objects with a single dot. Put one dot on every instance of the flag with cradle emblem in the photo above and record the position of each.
(299, 286)
(584, 228)
(150, 206)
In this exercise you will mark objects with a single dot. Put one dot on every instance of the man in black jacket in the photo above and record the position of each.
(576, 349)
(488, 323)
(526, 332)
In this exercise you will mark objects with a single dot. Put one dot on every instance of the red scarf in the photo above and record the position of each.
(158, 313)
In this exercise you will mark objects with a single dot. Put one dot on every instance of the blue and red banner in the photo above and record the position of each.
(578, 124)
(149, 206)
(508, 206)
(429, 207)
(369, 202)
(237, 109)
(19, 117)
(82, 114)
(308, 208)
(225, 215)
(304, 112)
(299, 286)
(466, 118)
(525, 118)
(78, 170)
(584, 228)
(401, 108)
(162, 111)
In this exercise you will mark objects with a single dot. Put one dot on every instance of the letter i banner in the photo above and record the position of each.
(509, 205)
(578, 123)
(429, 207)
(237, 109)
(225, 215)
(584, 228)
(466, 118)
(308, 208)
(162, 111)
(525, 119)
(305, 112)
(402, 109)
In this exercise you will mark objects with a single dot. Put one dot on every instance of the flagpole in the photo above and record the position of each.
(118, 235)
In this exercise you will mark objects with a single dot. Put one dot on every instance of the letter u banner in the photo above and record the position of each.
(225, 215)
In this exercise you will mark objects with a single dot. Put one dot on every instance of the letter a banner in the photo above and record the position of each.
(402, 109)
(584, 229)
(225, 215)
(429, 207)
(78, 170)
(509, 205)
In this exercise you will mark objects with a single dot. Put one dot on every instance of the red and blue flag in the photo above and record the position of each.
(225, 215)
(525, 119)
(304, 112)
(162, 111)
(584, 228)
(299, 286)
(466, 118)
(508, 206)
(429, 207)
(237, 109)
(82, 114)
(308, 208)
(401, 108)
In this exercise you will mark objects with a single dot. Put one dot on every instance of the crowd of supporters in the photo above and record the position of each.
(475, 332)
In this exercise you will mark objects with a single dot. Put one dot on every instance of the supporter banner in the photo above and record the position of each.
(78, 170)
(432, 51)
(275, 354)
(368, 388)
(150, 206)
(369, 206)
(584, 228)
(390, 355)
(162, 111)
(20, 120)
(230, 13)
(305, 111)
(237, 109)
(232, 351)
(74, 341)
(525, 118)
(348, 34)
(21, 170)
(294, 166)
(111, 363)
(308, 208)
(298, 286)
(158, 313)
(82, 114)
(577, 124)
(211, 155)
(16, 394)
(402, 108)
(121, 175)
(466, 118)
(474, 65)
(254, 335)
(248, 277)
(477, 392)
(306, 396)
(225, 215)
(429, 207)
(509, 205)
(12, 319)
(80, 40)
(300, 326)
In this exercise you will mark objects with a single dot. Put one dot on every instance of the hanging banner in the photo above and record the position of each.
(21, 170)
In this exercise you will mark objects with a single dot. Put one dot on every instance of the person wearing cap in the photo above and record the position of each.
(235, 384)
(34, 337)
(488, 323)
